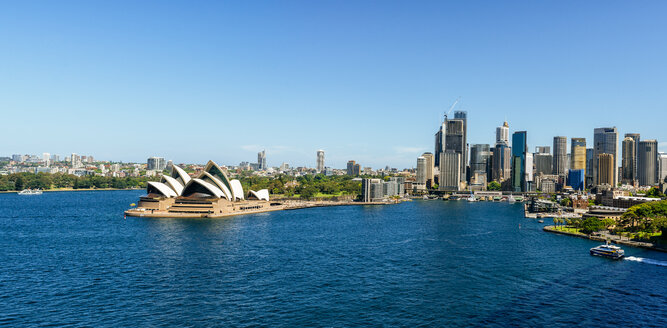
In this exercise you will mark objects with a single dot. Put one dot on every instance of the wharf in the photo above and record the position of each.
(612, 238)
(290, 205)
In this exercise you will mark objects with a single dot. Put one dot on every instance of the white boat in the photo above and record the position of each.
(29, 192)
(608, 250)
(511, 199)
(472, 198)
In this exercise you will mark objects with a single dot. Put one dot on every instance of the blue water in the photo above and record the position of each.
(70, 259)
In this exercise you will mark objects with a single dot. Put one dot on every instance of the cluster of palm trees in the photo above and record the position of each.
(564, 222)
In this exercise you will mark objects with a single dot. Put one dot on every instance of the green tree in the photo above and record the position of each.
(308, 192)
(493, 185)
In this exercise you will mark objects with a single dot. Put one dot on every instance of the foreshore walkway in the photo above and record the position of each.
(606, 236)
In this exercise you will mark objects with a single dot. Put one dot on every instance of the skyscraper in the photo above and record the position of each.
(503, 134)
(429, 169)
(605, 141)
(543, 163)
(662, 167)
(578, 157)
(261, 160)
(605, 169)
(502, 163)
(156, 163)
(647, 168)
(636, 138)
(450, 173)
(320, 161)
(543, 150)
(421, 171)
(350, 167)
(480, 154)
(455, 140)
(560, 155)
(628, 164)
(519, 149)
(502, 155)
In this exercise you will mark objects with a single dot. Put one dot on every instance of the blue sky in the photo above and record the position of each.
(363, 80)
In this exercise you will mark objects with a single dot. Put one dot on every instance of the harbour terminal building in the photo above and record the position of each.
(210, 194)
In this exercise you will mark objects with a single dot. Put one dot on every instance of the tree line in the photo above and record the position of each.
(45, 181)
(306, 186)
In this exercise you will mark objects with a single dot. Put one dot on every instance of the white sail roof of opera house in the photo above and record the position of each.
(216, 171)
(237, 189)
(208, 177)
(173, 184)
(197, 185)
(259, 195)
(160, 188)
(180, 175)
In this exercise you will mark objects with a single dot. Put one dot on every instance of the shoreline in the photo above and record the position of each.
(631, 243)
(282, 207)
(72, 189)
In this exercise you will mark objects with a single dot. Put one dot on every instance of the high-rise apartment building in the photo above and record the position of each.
(647, 166)
(605, 141)
(560, 155)
(261, 160)
(156, 163)
(578, 154)
(350, 167)
(519, 150)
(320, 161)
(605, 169)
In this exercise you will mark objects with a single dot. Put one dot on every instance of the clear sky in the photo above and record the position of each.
(363, 80)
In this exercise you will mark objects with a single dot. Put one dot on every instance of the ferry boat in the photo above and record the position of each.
(607, 250)
(30, 192)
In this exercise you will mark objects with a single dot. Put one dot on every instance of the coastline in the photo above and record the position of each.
(612, 239)
(72, 189)
(295, 205)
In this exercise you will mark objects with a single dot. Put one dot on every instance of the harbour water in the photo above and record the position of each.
(71, 259)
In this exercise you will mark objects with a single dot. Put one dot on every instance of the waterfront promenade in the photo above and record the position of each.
(605, 236)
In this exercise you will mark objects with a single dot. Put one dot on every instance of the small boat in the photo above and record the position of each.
(30, 192)
(607, 250)
(540, 221)
(454, 197)
(471, 198)
(511, 199)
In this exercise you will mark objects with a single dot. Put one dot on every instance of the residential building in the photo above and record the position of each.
(156, 164)
(261, 160)
(320, 161)
(350, 167)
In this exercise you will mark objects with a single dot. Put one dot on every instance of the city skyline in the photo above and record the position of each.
(313, 76)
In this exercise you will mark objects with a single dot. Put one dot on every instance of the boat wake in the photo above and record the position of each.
(648, 261)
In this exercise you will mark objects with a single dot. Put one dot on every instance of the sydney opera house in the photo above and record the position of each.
(210, 194)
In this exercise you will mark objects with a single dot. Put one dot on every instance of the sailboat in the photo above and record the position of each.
(472, 198)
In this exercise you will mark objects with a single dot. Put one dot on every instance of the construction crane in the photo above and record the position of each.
(452, 107)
